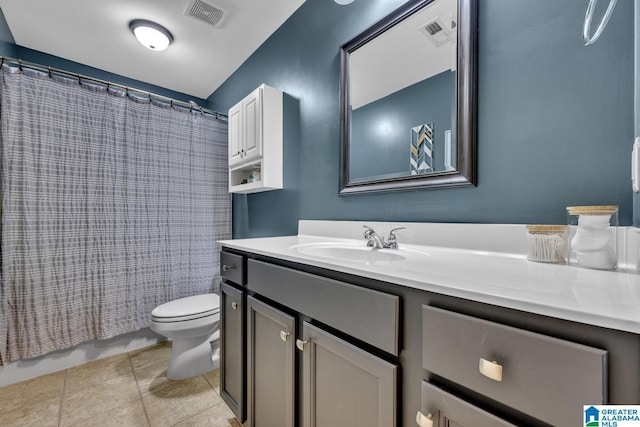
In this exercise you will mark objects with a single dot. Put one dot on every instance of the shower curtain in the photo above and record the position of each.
(111, 205)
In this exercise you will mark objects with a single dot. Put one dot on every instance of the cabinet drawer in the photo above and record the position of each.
(365, 314)
(447, 410)
(544, 377)
(232, 268)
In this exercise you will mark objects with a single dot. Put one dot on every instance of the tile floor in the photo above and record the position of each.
(125, 390)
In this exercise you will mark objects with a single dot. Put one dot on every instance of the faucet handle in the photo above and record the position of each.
(370, 235)
(369, 231)
(392, 234)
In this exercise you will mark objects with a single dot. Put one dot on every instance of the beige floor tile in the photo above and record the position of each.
(33, 391)
(150, 366)
(41, 414)
(175, 401)
(218, 416)
(214, 379)
(151, 375)
(86, 403)
(98, 372)
(132, 415)
(158, 354)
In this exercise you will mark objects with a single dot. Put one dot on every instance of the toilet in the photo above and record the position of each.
(192, 323)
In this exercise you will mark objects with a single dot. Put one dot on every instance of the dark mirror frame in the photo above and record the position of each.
(466, 105)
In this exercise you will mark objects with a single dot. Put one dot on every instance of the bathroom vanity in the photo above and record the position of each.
(320, 330)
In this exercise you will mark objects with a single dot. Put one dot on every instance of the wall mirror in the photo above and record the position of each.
(408, 100)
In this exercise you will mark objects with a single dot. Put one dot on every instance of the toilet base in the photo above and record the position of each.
(191, 357)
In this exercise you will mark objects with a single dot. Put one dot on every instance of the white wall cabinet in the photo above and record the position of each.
(255, 141)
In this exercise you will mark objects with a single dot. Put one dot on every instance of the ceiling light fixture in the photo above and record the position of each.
(151, 35)
(343, 2)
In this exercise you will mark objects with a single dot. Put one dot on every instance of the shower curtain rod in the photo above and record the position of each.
(191, 105)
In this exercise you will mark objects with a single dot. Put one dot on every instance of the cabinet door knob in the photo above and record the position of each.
(227, 267)
(300, 344)
(424, 421)
(491, 370)
(234, 305)
(284, 335)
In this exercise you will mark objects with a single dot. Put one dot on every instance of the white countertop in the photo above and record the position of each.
(488, 264)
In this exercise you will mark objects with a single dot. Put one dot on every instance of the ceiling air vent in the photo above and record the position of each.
(208, 12)
(436, 31)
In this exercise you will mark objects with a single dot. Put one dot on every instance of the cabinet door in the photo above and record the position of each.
(252, 111)
(270, 366)
(232, 349)
(235, 135)
(344, 386)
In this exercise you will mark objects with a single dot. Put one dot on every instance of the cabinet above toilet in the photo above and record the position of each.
(255, 142)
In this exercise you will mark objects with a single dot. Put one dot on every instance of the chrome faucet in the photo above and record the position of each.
(375, 241)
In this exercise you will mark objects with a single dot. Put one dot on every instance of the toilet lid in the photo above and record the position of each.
(189, 306)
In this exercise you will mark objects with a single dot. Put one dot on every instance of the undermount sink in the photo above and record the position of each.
(350, 252)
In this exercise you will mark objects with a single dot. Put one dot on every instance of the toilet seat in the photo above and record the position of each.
(189, 308)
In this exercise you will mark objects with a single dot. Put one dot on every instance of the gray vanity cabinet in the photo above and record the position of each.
(343, 385)
(270, 366)
(331, 349)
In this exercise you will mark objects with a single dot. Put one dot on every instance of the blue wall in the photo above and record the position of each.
(555, 118)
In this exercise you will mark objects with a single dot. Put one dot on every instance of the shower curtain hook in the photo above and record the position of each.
(20, 65)
(171, 104)
(79, 81)
(49, 68)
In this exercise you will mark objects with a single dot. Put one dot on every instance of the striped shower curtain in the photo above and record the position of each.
(111, 205)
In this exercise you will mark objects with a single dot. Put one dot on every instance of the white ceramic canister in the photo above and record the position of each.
(593, 236)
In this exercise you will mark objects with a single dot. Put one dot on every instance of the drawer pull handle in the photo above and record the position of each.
(300, 344)
(491, 370)
(227, 267)
(234, 305)
(284, 335)
(424, 421)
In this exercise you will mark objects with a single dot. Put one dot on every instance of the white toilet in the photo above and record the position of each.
(192, 323)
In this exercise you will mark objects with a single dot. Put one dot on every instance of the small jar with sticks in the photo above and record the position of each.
(547, 243)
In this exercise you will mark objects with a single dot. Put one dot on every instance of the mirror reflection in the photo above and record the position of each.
(402, 98)
(408, 99)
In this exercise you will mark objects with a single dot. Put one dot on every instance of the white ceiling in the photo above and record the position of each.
(96, 33)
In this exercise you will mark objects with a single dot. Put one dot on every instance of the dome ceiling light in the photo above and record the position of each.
(151, 35)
